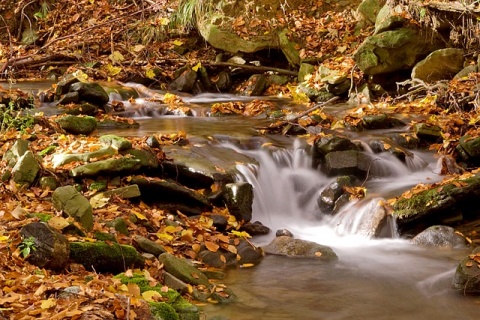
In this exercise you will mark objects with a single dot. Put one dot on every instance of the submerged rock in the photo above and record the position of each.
(467, 275)
(296, 248)
(328, 197)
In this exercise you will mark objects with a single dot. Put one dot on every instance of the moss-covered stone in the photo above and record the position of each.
(103, 257)
(77, 124)
(116, 142)
(163, 311)
(184, 271)
(106, 167)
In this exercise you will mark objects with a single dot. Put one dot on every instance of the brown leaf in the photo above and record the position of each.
(213, 247)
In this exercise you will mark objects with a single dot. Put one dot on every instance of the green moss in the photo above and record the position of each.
(163, 311)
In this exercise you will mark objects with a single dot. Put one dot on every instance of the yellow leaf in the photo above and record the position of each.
(172, 229)
(3, 238)
(138, 48)
(247, 265)
(150, 295)
(58, 223)
(150, 74)
(112, 70)
(177, 42)
(116, 56)
(165, 236)
(139, 215)
(164, 21)
(196, 67)
(196, 247)
(187, 235)
(123, 288)
(243, 234)
(49, 303)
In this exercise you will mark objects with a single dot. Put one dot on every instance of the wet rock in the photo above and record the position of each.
(248, 254)
(467, 275)
(70, 97)
(378, 121)
(153, 142)
(62, 158)
(106, 167)
(184, 82)
(116, 142)
(105, 257)
(428, 133)
(284, 232)
(440, 236)
(183, 270)
(224, 82)
(444, 205)
(148, 159)
(329, 196)
(384, 145)
(220, 222)
(406, 140)
(149, 246)
(116, 91)
(171, 195)
(395, 50)
(74, 204)
(26, 169)
(63, 86)
(51, 249)
(77, 124)
(79, 109)
(441, 64)
(219, 259)
(350, 162)
(296, 248)
(339, 88)
(90, 92)
(201, 167)
(325, 145)
(256, 85)
(255, 228)
(468, 149)
(238, 198)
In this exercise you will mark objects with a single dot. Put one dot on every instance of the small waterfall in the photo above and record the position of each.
(286, 188)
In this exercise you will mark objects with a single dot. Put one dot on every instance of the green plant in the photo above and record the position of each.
(185, 17)
(42, 12)
(27, 246)
(12, 118)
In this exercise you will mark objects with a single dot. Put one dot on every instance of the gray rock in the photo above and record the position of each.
(74, 204)
(248, 254)
(185, 82)
(325, 145)
(106, 167)
(70, 97)
(174, 283)
(118, 143)
(51, 249)
(62, 158)
(304, 70)
(349, 162)
(90, 92)
(148, 246)
(26, 169)
(441, 64)
(77, 124)
(238, 198)
(296, 248)
(379, 121)
(183, 270)
(394, 50)
(368, 10)
(255, 228)
(148, 159)
(15, 152)
(468, 149)
(63, 86)
(257, 84)
(466, 71)
(389, 18)
(427, 132)
(440, 236)
(172, 196)
(328, 197)
(284, 232)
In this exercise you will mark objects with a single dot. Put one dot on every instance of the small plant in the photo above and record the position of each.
(27, 246)
(11, 118)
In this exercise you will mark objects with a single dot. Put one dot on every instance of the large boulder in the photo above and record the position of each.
(395, 50)
(441, 64)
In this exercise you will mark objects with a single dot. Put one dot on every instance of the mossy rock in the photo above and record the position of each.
(163, 311)
(77, 124)
(103, 257)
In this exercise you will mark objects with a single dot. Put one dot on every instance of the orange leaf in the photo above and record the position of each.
(211, 246)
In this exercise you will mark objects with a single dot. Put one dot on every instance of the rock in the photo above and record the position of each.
(443, 205)
(80, 109)
(368, 9)
(256, 85)
(172, 196)
(255, 228)
(74, 204)
(350, 162)
(147, 158)
(219, 259)
(148, 246)
(238, 198)
(119, 225)
(63, 86)
(224, 82)
(406, 140)
(305, 70)
(26, 169)
(384, 145)
(77, 124)
(153, 142)
(466, 71)
(70, 97)
(51, 249)
(175, 283)
(339, 88)
(284, 232)
(468, 149)
(328, 197)
(183, 270)
(440, 236)
(201, 167)
(184, 82)
(325, 145)
(248, 254)
(15, 152)
(427, 132)
(62, 158)
(289, 47)
(390, 18)
(118, 143)
(441, 64)
(379, 121)
(296, 248)
(467, 275)
(90, 92)
(48, 183)
(127, 192)
(119, 92)
(106, 167)
(105, 257)
(394, 50)
(220, 222)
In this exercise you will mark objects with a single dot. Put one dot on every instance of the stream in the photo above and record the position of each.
(385, 278)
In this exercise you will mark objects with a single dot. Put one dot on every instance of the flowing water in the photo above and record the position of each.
(386, 278)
